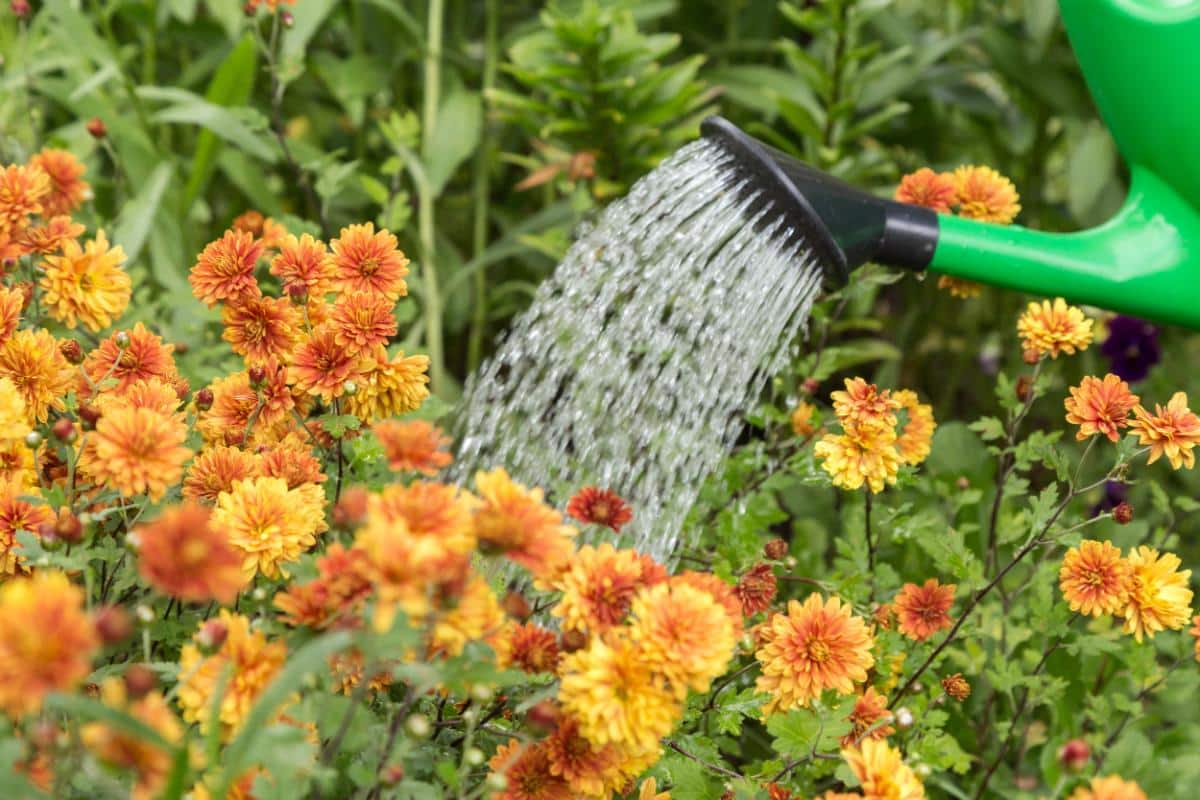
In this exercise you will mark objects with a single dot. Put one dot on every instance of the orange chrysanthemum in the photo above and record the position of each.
(1048, 329)
(336, 596)
(589, 771)
(17, 514)
(916, 437)
(153, 393)
(864, 405)
(224, 270)
(362, 320)
(984, 194)
(87, 284)
(922, 611)
(23, 190)
(956, 686)
(1195, 632)
(14, 420)
(815, 646)
(278, 403)
(526, 768)
(869, 711)
(215, 470)
(756, 589)
(1100, 406)
(68, 189)
(137, 451)
(269, 524)
(246, 658)
(595, 506)
(515, 521)
(32, 361)
(1095, 579)
(475, 615)
(802, 420)
(293, 462)
(305, 262)
(1159, 597)
(46, 640)
(260, 328)
(150, 762)
(599, 584)
(12, 303)
(145, 356)
(1172, 431)
(419, 533)
(684, 634)
(882, 772)
(1112, 787)
(321, 367)
(389, 388)
(51, 236)
(531, 648)
(348, 668)
(367, 261)
(957, 287)
(184, 555)
(17, 466)
(722, 592)
(413, 446)
(927, 188)
(867, 456)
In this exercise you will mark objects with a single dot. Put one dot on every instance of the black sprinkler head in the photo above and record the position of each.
(846, 227)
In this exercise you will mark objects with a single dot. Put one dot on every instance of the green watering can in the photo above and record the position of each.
(1141, 59)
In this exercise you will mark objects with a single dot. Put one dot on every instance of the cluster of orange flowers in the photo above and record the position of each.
(873, 444)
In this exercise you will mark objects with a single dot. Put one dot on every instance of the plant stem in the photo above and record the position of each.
(482, 160)
(425, 208)
(870, 540)
(717, 768)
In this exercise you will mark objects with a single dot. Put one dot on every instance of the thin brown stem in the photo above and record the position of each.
(717, 768)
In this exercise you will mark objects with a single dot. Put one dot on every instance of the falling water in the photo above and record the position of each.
(634, 366)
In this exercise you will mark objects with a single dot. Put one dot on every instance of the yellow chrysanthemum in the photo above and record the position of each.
(14, 421)
(87, 284)
(1159, 597)
(869, 457)
(32, 361)
(475, 616)
(252, 661)
(916, 437)
(615, 695)
(137, 450)
(684, 634)
(984, 194)
(882, 772)
(1112, 787)
(422, 532)
(389, 388)
(1048, 329)
(270, 524)
(599, 584)
(1095, 579)
(515, 521)
(957, 287)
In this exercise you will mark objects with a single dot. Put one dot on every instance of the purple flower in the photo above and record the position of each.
(1114, 495)
(1132, 347)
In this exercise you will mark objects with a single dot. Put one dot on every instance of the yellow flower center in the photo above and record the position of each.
(817, 650)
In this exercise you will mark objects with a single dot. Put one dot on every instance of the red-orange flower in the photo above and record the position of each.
(305, 262)
(515, 521)
(413, 446)
(985, 194)
(12, 303)
(50, 236)
(599, 584)
(224, 270)
(589, 770)
(1100, 406)
(596, 506)
(864, 405)
(23, 190)
(17, 514)
(321, 367)
(923, 610)
(927, 188)
(68, 189)
(869, 710)
(145, 356)
(527, 769)
(1172, 431)
(362, 320)
(532, 648)
(336, 596)
(368, 261)
(215, 470)
(260, 328)
(756, 589)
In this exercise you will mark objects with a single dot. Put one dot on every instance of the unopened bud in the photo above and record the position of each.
(20, 8)
(181, 348)
(791, 563)
(287, 19)
(258, 377)
(50, 540)
(212, 635)
(418, 726)
(497, 781)
(297, 293)
(572, 640)
(1123, 513)
(140, 680)
(904, 718)
(350, 388)
(113, 624)
(543, 715)
(204, 399)
(67, 526)
(775, 549)
(144, 613)
(473, 756)
(1075, 755)
(963, 483)
(923, 770)
(121, 339)
(515, 605)
(33, 440)
(89, 415)
(1031, 356)
(97, 128)
(71, 351)
(482, 692)
(1023, 387)
(391, 774)
(250, 9)
(64, 430)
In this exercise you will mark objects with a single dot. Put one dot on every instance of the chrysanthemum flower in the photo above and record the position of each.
(51, 236)
(367, 261)
(756, 589)
(267, 523)
(927, 188)
(17, 466)
(1112, 787)
(870, 709)
(957, 287)
(476, 615)
(252, 663)
(922, 611)
(14, 420)
(1159, 597)
(348, 668)
(184, 555)
(137, 451)
(116, 747)
(1100, 406)
(413, 446)
(722, 592)
(916, 437)
(1051, 328)
(599, 584)
(882, 772)
(68, 189)
(802, 420)
(868, 457)
(305, 262)
(335, 596)
(1172, 431)
(421, 532)
(17, 514)
(595, 506)
(224, 270)
(215, 470)
(615, 695)
(145, 356)
(956, 686)
(23, 190)
(815, 646)
(261, 328)
(321, 367)
(362, 320)
(527, 770)
(1195, 632)
(389, 388)
(864, 405)
(87, 284)
(530, 648)
(46, 640)
(1095, 579)
(589, 771)
(515, 521)
(32, 361)
(153, 393)
(279, 404)
(984, 194)
(293, 462)
(12, 303)
(683, 633)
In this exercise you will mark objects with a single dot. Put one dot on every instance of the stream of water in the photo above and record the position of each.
(635, 364)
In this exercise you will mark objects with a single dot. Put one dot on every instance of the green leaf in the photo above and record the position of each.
(137, 218)
(795, 732)
(1090, 165)
(453, 138)
(76, 707)
(989, 428)
(238, 126)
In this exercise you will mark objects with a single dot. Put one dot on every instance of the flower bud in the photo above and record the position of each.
(418, 726)
(956, 686)
(392, 774)
(543, 715)
(904, 718)
(64, 430)
(67, 526)
(963, 483)
(473, 756)
(33, 440)
(287, 19)
(810, 386)
(50, 541)
(250, 9)
(775, 549)
(350, 388)
(204, 399)
(113, 624)
(212, 635)
(258, 377)
(497, 781)
(791, 563)
(71, 351)
(89, 415)
(1022, 388)
(121, 339)
(515, 605)
(97, 128)
(144, 613)
(181, 348)
(44, 734)
(1031, 356)
(140, 680)
(20, 8)
(297, 293)
(572, 640)
(1075, 755)
(1123, 513)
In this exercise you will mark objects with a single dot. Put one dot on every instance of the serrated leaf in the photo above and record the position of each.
(796, 732)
